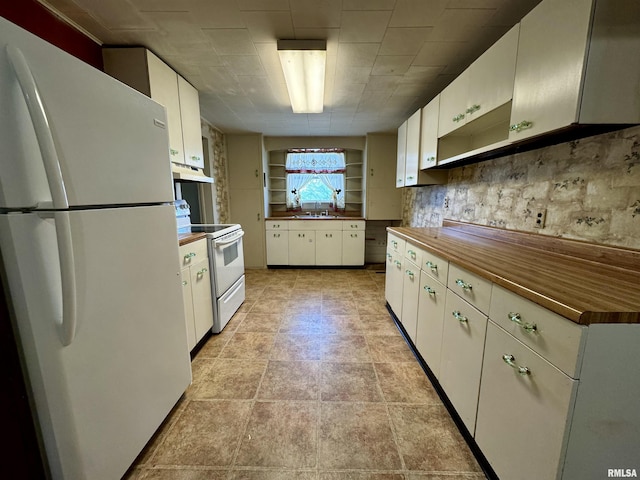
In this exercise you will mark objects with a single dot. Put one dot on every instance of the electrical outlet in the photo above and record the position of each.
(446, 202)
(540, 217)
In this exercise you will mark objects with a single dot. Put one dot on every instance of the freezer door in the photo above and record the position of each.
(99, 399)
(111, 141)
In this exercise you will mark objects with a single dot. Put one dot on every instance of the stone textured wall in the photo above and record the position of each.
(218, 157)
(590, 189)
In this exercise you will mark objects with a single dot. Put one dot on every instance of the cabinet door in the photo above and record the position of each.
(522, 415)
(187, 296)
(412, 152)
(429, 134)
(453, 104)
(353, 247)
(461, 362)
(492, 76)
(201, 292)
(329, 247)
(551, 59)
(401, 154)
(163, 83)
(383, 199)
(410, 295)
(393, 281)
(431, 308)
(191, 131)
(277, 247)
(302, 247)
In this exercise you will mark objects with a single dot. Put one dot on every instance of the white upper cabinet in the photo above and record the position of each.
(413, 149)
(453, 104)
(163, 85)
(141, 69)
(402, 151)
(429, 134)
(484, 86)
(582, 71)
(190, 119)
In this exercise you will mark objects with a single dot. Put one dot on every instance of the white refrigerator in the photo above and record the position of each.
(89, 257)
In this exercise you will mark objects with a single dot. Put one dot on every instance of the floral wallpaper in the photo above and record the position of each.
(218, 163)
(587, 189)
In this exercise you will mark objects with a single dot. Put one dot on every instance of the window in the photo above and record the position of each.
(315, 179)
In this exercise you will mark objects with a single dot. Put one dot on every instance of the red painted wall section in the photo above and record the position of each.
(33, 17)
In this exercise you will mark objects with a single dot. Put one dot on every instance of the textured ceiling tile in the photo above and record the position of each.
(382, 83)
(357, 54)
(216, 14)
(508, 11)
(404, 41)
(392, 64)
(460, 24)
(244, 64)
(417, 13)
(161, 5)
(116, 14)
(368, 4)
(316, 13)
(351, 75)
(268, 26)
(439, 53)
(417, 74)
(231, 41)
(263, 5)
(367, 26)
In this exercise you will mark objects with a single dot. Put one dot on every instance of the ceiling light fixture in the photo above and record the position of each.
(303, 63)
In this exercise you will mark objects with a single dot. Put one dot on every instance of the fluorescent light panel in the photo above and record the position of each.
(303, 63)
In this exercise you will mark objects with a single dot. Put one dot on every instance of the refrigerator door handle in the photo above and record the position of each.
(41, 126)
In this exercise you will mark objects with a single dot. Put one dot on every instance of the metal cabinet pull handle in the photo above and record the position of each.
(398, 264)
(412, 253)
(431, 265)
(184, 283)
(465, 286)
(410, 273)
(511, 361)
(523, 125)
(202, 272)
(517, 319)
(458, 316)
(189, 255)
(429, 290)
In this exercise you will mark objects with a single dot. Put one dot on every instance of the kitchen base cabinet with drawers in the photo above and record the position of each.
(539, 369)
(196, 289)
(317, 242)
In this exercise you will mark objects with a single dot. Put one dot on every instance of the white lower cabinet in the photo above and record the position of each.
(322, 242)
(461, 360)
(196, 283)
(329, 247)
(431, 310)
(410, 291)
(277, 247)
(302, 247)
(523, 411)
(393, 281)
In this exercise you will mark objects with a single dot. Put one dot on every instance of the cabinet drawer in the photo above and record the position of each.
(395, 244)
(473, 288)
(413, 253)
(303, 224)
(553, 337)
(193, 252)
(434, 266)
(522, 416)
(276, 225)
(353, 225)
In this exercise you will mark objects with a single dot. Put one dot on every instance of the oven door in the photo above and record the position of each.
(227, 257)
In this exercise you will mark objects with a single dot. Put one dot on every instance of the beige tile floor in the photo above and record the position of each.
(310, 380)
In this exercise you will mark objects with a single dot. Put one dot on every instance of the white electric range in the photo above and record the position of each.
(226, 263)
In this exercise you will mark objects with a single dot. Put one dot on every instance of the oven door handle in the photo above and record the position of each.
(237, 236)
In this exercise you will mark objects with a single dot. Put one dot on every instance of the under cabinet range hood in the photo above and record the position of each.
(184, 173)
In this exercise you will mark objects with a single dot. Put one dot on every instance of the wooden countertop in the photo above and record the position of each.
(185, 238)
(583, 282)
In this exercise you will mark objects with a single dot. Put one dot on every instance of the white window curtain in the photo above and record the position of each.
(295, 181)
(335, 181)
(315, 162)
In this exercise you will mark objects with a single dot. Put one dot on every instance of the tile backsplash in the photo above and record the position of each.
(587, 189)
